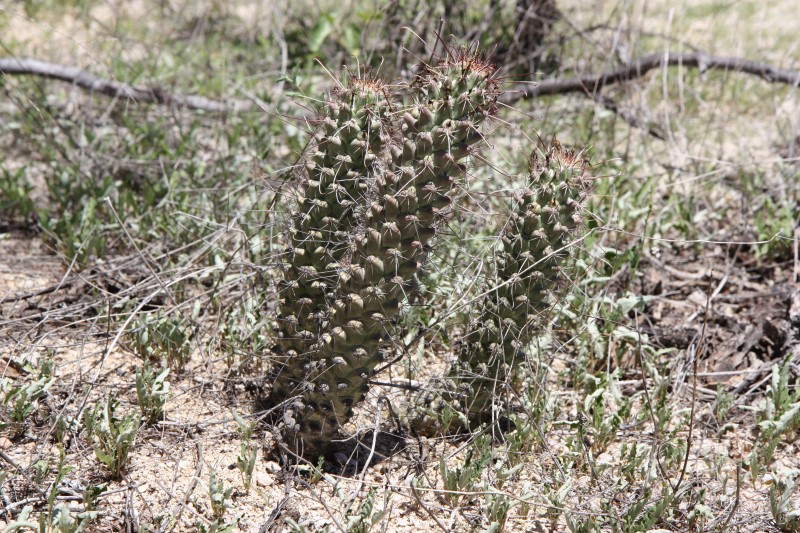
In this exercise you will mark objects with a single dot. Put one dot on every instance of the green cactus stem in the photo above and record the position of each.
(411, 198)
(349, 149)
(350, 146)
(528, 271)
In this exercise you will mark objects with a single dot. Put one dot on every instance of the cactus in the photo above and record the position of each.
(349, 148)
(387, 251)
(527, 272)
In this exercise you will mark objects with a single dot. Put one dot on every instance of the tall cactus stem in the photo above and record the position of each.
(350, 147)
(411, 197)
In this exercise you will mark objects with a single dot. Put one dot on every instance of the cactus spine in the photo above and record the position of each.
(411, 194)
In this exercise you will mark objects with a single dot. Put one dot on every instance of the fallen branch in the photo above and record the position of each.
(93, 84)
(590, 85)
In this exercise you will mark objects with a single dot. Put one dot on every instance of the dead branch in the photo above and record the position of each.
(80, 78)
(590, 85)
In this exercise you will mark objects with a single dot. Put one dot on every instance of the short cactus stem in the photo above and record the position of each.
(528, 271)
(412, 193)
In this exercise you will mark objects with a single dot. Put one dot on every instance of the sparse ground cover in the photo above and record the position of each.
(139, 244)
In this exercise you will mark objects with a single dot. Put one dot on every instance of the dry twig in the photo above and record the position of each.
(89, 82)
(590, 85)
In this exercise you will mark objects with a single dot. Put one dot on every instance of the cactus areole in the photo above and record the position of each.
(380, 181)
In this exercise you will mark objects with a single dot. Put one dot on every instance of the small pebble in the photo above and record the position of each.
(272, 467)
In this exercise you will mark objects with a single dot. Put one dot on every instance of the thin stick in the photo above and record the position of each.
(89, 82)
(736, 501)
(419, 502)
(178, 509)
(697, 354)
(639, 67)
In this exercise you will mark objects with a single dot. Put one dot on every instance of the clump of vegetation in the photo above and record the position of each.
(164, 340)
(113, 436)
(20, 401)
(248, 450)
(220, 499)
(152, 389)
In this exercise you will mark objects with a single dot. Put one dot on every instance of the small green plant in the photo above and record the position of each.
(581, 524)
(774, 215)
(605, 421)
(770, 437)
(555, 500)
(64, 426)
(294, 526)
(220, 498)
(219, 494)
(363, 519)
(465, 477)
(633, 464)
(40, 470)
(318, 471)
(216, 527)
(163, 340)
(780, 493)
(15, 189)
(646, 511)
(497, 509)
(780, 395)
(113, 436)
(91, 494)
(248, 451)
(780, 415)
(20, 401)
(65, 523)
(58, 519)
(152, 390)
(521, 441)
(75, 227)
(242, 335)
(723, 403)
(699, 516)
(52, 518)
